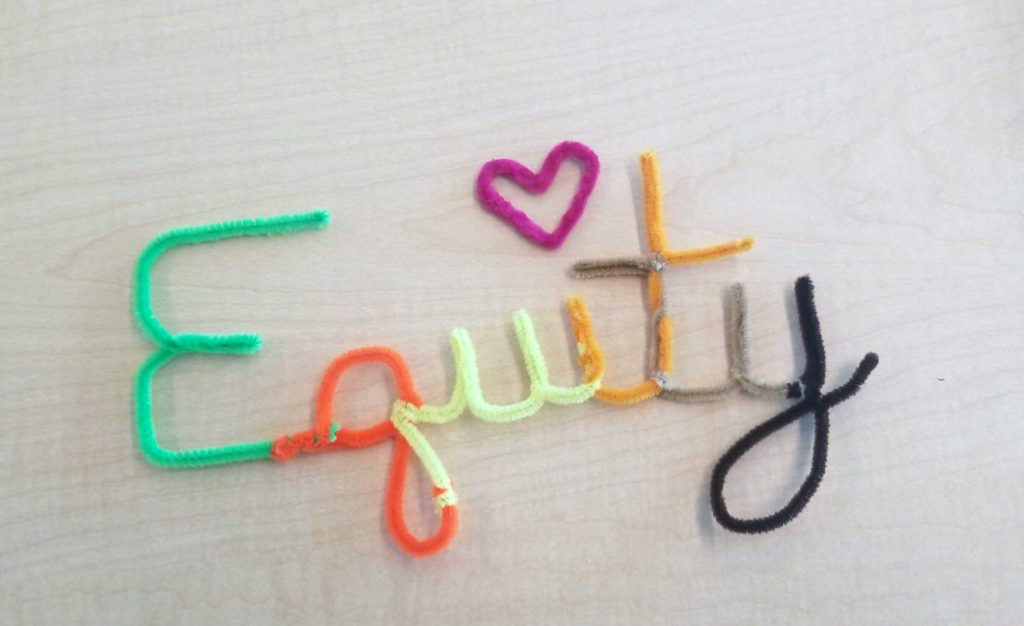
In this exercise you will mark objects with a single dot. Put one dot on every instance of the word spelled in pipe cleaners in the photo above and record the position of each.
(409, 411)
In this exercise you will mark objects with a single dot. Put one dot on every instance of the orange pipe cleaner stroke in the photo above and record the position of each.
(324, 436)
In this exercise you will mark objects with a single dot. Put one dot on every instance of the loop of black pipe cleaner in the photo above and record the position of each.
(813, 401)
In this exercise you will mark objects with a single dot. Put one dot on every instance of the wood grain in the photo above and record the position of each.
(877, 146)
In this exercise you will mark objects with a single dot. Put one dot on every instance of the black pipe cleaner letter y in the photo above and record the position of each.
(812, 380)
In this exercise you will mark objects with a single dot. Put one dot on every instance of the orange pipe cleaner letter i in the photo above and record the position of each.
(409, 412)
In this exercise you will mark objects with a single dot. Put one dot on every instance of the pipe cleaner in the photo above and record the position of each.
(537, 183)
(738, 361)
(812, 380)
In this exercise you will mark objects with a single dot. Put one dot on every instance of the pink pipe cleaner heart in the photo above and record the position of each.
(536, 184)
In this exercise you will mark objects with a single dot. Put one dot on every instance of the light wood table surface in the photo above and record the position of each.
(877, 146)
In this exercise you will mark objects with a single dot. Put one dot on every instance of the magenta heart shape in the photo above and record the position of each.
(538, 183)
